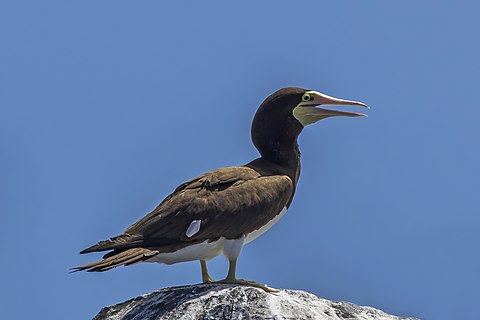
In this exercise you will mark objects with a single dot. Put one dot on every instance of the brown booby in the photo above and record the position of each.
(222, 210)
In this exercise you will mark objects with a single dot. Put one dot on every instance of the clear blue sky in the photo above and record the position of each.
(105, 107)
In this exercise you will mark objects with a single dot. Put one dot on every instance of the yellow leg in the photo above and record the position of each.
(205, 276)
(232, 270)
(231, 279)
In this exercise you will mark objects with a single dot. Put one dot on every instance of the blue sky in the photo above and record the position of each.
(105, 107)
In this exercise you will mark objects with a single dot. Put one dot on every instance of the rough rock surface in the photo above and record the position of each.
(219, 302)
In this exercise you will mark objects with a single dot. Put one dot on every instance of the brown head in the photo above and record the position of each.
(282, 116)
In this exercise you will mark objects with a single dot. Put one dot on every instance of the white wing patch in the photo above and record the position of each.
(193, 228)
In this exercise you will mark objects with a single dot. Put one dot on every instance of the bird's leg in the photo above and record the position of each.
(233, 280)
(205, 276)
(232, 270)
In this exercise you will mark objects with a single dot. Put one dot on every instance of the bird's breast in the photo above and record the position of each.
(258, 232)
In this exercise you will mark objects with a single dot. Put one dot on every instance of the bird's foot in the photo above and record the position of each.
(207, 279)
(250, 283)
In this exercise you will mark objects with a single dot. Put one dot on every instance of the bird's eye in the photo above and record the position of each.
(306, 97)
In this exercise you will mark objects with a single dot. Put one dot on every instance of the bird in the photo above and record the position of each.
(220, 211)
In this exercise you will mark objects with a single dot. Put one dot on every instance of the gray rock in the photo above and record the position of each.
(218, 302)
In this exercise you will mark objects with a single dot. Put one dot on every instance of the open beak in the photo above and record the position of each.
(307, 112)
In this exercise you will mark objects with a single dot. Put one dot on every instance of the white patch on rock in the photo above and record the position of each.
(237, 302)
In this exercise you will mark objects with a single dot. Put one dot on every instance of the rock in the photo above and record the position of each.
(218, 302)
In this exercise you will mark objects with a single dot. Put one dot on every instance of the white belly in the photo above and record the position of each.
(257, 233)
(209, 250)
(200, 251)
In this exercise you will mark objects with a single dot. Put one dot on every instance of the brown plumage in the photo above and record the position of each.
(230, 201)
(221, 210)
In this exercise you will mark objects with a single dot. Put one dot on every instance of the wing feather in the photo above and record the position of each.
(228, 205)
(229, 202)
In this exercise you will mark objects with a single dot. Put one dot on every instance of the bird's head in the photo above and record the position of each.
(283, 115)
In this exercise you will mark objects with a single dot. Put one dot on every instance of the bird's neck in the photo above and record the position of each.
(284, 154)
(275, 137)
(279, 159)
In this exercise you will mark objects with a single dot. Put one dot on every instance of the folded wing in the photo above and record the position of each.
(228, 202)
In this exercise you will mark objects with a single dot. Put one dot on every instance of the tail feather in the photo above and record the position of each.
(123, 241)
(118, 258)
